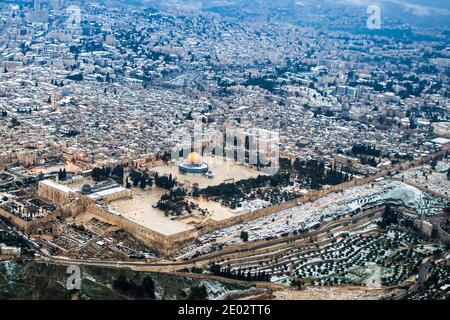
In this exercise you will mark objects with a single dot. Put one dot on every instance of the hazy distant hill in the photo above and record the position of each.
(443, 4)
(413, 12)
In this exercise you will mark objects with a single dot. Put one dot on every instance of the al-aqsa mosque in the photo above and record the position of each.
(193, 164)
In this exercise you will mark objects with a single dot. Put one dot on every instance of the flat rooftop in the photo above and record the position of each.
(441, 141)
(56, 186)
(107, 192)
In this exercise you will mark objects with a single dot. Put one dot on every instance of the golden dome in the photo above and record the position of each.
(193, 158)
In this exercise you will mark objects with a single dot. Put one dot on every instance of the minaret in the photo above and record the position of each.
(54, 101)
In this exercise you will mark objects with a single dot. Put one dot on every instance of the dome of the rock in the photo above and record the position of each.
(193, 157)
(193, 164)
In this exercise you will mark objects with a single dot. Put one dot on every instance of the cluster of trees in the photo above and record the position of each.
(390, 216)
(62, 174)
(174, 195)
(230, 190)
(371, 161)
(166, 156)
(268, 188)
(101, 174)
(406, 157)
(359, 149)
(118, 173)
(315, 175)
(146, 290)
(295, 66)
(172, 207)
(139, 179)
(75, 49)
(174, 203)
(326, 112)
(239, 274)
(165, 182)
(223, 190)
(72, 133)
(4, 114)
(198, 293)
(244, 236)
(15, 122)
(334, 177)
(75, 77)
(262, 82)
(412, 123)
(56, 83)
(412, 85)
(92, 45)
(297, 283)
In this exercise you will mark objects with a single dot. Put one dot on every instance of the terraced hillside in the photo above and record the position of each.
(32, 280)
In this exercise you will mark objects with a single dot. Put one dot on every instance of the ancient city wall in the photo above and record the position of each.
(159, 242)
(33, 225)
(314, 195)
(444, 236)
(53, 195)
(19, 223)
(125, 194)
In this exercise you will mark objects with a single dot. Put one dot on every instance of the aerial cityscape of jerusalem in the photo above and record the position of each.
(224, 150)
